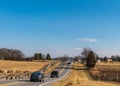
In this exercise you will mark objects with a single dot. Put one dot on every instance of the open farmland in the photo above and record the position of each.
(80, 77)
(22, 66)
(106, 72)
(108, 66)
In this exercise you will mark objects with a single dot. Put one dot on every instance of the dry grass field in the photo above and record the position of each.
(108, 66)
(79, 77)
(106, 72)
(17, 66)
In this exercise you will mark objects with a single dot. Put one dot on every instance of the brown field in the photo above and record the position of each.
(80, 77)
(108, 66)
(15, 66)
(106, 72)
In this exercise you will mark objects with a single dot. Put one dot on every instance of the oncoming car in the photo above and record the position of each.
(37, 76)
(55, 74)
(68, 63)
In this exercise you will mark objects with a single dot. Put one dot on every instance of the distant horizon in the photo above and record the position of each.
(62, 55)
(60, 27)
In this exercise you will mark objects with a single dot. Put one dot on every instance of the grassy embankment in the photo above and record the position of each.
(52, 68)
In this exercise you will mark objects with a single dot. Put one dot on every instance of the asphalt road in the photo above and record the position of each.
(65, 70)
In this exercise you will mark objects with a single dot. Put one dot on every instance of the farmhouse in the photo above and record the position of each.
(109, 60)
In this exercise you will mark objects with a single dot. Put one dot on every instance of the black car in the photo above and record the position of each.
(37, 76)
(55, 74)
(68, 62)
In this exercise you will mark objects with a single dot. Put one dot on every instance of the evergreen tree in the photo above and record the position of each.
(90, 60)
(48, 57)
(105, 59)
(40, 56)
(36, 56)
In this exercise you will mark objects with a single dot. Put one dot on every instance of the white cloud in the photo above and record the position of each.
(88, 39)
(78, 49)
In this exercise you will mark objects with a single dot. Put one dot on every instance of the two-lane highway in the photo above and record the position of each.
(63, 69)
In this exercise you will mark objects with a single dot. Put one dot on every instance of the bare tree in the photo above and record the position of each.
(11, 54)
(85, 52)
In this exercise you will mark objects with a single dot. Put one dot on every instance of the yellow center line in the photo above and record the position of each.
(10, 83)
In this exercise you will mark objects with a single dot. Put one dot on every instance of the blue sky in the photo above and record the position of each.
(60, 27)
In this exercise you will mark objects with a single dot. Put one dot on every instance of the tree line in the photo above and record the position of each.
(40, 56)
(89, 58)
(17, 55)
(11, 54)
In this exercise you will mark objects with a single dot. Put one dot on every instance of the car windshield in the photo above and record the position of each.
(54, 72)
(36, 73)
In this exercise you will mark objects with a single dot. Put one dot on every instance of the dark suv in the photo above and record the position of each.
(55, 74)
(37, 76)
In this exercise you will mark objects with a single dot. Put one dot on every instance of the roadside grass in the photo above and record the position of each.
(78, 77)
(49, 70)
(62, 69)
